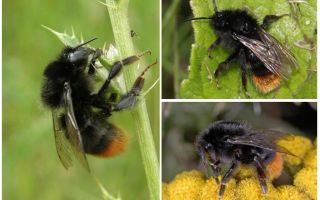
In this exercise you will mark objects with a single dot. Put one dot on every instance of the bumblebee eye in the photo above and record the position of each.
(66, 56)
(208, 146)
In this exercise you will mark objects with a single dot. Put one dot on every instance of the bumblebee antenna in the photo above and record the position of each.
(80, 45)
(197, 18)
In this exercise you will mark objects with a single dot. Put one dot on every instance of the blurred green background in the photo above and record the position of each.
(177, 38)
(31, 167)
(182, 122)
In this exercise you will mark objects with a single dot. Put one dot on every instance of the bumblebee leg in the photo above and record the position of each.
(243, 63)
(213, 45)
(261, 175)
(116, 68)
(269, 19)
(226, 178)
(129, 100)
(101, 103)
(225, 65)
(216, 171)
(95, 56)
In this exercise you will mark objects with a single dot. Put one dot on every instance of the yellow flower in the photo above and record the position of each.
(165, 195)
(306, 180)
(245, 185)
(245, 172)
(209, 190)
(298, 146)
(311, 159)
(249, 189)
(185, 186)
(288, 192)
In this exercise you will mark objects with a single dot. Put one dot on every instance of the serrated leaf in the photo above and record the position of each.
(66, 39)
(294, 30)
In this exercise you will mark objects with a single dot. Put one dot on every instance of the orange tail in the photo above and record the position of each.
(117, 145)
(266, 83)
(276, 166)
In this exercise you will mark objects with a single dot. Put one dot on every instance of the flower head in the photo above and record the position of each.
(245, 186)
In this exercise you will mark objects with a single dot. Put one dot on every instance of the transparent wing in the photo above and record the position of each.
(275, 57)
(265, 139)
(62, 144)
(73, 131)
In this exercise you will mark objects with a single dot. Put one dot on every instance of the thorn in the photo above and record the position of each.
(72, 32)
(298, 1)
(150, 88)
(108, 3)
(81, 38)
(51, 30)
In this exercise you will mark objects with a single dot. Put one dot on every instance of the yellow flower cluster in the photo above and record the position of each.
(192, 185)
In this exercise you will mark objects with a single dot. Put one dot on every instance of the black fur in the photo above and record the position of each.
(96, 132)
(230, 144)
(217, 135)
(240, 22)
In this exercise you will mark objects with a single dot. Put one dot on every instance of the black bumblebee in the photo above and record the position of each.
(231, 143)
(257, 51)
(80, 114)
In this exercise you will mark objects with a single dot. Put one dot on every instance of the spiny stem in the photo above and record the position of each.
(118, 12)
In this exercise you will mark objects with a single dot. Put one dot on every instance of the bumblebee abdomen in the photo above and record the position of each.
(117, 145)
(266, 83)
(275, 167)
(103, 139)
(264, 80)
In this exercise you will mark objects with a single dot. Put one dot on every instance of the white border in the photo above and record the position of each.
(160, 106)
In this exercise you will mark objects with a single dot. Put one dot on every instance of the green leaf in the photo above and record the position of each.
(298, 30)
(66, 39)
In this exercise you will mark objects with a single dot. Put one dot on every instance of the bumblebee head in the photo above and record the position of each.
(77, 55)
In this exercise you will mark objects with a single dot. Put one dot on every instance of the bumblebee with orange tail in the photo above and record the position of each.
(230, 144)
(80, 114)
(258, 52)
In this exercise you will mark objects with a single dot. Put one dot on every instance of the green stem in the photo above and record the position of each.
(118, 13)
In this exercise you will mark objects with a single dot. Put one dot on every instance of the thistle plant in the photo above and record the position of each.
(118, 13)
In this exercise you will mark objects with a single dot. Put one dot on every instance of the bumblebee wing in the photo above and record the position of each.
(275, 57)
(288, 61)
(273, 136)
(265, 139)
(62, 145)
(73, 131)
